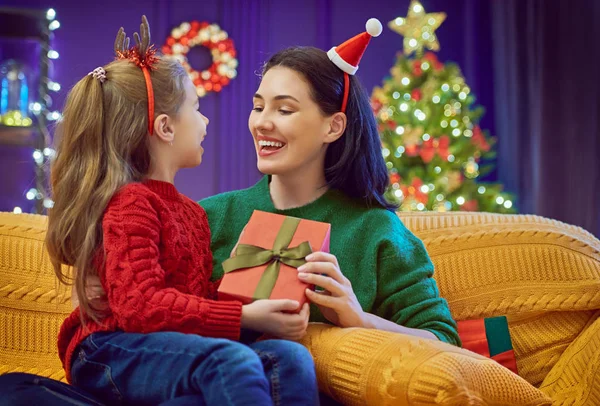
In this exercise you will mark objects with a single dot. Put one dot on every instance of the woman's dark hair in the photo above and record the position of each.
(353, 163)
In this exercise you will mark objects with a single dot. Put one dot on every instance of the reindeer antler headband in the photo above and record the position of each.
(142, 55)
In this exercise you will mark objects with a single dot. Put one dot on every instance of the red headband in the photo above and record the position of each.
(347, 55)
(146, 63)
(346, 91)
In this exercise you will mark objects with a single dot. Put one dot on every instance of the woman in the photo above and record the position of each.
(316, 141)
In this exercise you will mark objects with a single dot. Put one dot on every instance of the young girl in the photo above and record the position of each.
(128, 127)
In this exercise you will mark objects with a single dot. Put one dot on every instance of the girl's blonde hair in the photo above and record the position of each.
(102, 145)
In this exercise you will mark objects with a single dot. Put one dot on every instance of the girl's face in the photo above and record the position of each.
(290, 132)
(190, 130)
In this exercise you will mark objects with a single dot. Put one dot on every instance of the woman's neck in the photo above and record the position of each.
(298, 188)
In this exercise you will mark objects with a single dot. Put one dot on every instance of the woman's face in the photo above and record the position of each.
(290, 132)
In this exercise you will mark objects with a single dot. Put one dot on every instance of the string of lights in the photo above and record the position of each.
(41, 110)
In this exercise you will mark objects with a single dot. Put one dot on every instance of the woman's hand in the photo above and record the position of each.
(338, 303)
(272, 317)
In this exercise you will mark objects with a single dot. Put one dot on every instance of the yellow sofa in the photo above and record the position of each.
(542, 274)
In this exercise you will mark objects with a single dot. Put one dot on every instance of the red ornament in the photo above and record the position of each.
(394, 178)
(443, 147)
(433, 146)
(427, 151)
(432, 58)
(470, 205)
(416, 94)
(478, 139)
(376, 105)
(411, 150)
(413, 191)
(388, 125)
(417, 70)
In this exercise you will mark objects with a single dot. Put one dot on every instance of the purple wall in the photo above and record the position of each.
(258, 28)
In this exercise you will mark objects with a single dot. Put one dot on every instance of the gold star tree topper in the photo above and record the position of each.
(418, 29)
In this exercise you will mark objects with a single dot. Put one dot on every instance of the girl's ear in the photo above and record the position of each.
(164, 128)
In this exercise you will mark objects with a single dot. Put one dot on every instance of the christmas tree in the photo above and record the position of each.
(434, 148)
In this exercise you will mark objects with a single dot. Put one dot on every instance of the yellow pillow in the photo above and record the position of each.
(371, 367)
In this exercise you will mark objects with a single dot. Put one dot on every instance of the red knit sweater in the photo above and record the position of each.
(157, 268)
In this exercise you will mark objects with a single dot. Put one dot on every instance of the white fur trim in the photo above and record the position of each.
(374, 27)
(340, 63)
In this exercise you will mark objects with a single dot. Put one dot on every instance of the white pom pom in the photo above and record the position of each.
(374, 27)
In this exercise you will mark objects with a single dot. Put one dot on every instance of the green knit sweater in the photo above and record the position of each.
(388, 266)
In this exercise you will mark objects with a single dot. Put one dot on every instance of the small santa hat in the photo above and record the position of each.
(347, 56)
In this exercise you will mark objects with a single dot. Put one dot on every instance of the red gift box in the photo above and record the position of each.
(489, 337)
(264, 264)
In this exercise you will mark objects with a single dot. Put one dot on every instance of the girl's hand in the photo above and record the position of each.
(265, 316)
(270, 317)
(338, 303)
(94, 292)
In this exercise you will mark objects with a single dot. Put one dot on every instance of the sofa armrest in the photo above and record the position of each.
(575, 378)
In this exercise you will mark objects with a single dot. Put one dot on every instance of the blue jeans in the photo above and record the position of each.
(21, 389)
(175, 368)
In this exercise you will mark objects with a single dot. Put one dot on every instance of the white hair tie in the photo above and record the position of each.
(99, 73)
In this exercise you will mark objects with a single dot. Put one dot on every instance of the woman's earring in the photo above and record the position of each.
(171, 143)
